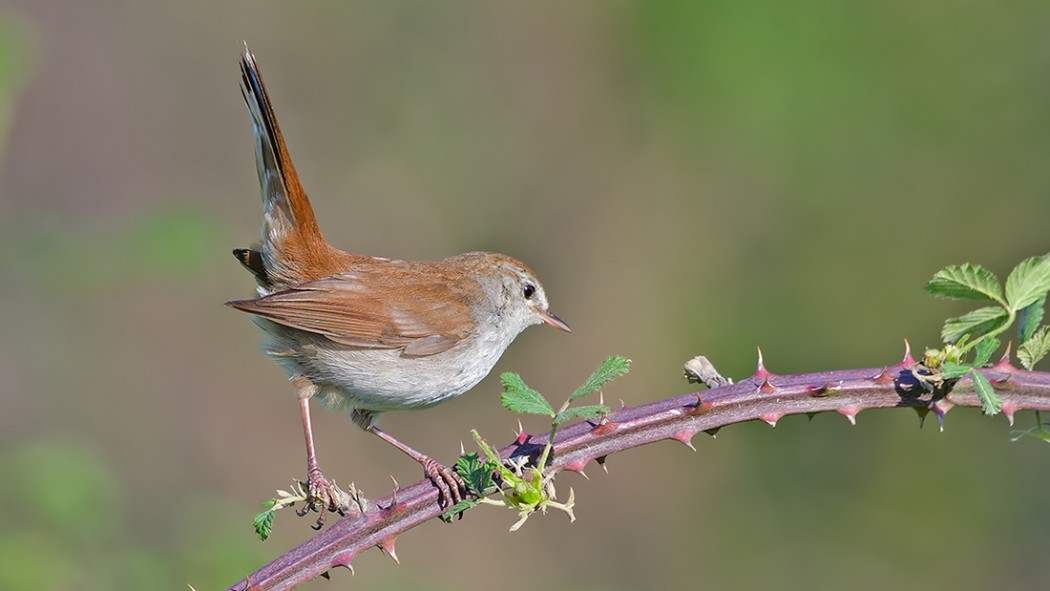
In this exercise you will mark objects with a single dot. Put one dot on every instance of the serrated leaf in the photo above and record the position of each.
(263, 524)
(1035, 348)
(587, 412)
(518, 397)
(457, 509)
(975, 323)
(950, 371)
(1028, 282)
(968, 282)
(984, 349)
(1030, 317)
(609, 370)
(991, 404)
(477, 474)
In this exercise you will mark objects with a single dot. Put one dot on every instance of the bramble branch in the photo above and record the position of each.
(763, 396)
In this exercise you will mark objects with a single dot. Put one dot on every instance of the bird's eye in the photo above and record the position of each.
(529, 290)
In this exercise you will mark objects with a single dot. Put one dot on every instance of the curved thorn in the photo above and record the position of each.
(397, 487)
(685, 437)
(760, 369)
(923, 412)
(908, 360)
(884, 377)
(1008, 410)
(850, 412)
(387, 547)
(601, 462)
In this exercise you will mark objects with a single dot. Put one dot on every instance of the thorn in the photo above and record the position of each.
(601, 397)
(810, 415)
(700, 407)
(884, 377)
(767, 387)
(520, 428)
(387, 547)
(601, 462)
(685, 437)
(576, 466)
(326, 576)
(397, 487)
(1009, 409)
(908, 360)
(771, 418)
(623, 404)
(1001, 383)
(821, 391)
(1004, 362)
(462, 450)
(850, 412)
(584, 474)
(923, 412)
(941, 408)
(713, 431)
(343, 560)
(760, 371)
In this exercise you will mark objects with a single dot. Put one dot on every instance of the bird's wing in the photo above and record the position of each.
(367, 309)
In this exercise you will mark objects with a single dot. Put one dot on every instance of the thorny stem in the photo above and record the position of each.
(763, 396)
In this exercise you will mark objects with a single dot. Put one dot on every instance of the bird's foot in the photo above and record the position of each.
(451, 486)
(323, 497)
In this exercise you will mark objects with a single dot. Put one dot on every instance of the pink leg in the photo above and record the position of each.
(322, 494)
(450, 485)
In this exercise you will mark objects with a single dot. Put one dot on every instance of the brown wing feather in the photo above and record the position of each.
(425, 315)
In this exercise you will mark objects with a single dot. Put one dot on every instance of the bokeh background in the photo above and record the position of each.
(686, 177)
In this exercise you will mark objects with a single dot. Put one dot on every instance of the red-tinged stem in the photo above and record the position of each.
(764, 396)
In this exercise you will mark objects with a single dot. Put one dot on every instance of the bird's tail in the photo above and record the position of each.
(292, 247)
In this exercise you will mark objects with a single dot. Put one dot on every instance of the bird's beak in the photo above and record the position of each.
(553, 320)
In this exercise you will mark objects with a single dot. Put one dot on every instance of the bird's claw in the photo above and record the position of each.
(451, 486)
(323, 497)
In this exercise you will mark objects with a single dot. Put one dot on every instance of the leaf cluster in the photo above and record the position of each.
(528, 489)
(1022, 300)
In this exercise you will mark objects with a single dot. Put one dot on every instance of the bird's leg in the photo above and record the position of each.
(322, 495)
(450, 485)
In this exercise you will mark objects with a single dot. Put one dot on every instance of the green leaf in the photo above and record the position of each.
(1030, 317)
(263, 523)
(990, 402)
(609, 370)
(588, 412)
(984, 349)
(1028, 282)
(457, 509)
(477, 474)
(519, 398)
(1035, 348)
(975, 323)
(968, 282)
(951, 371)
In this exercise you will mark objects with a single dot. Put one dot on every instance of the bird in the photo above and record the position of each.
(365, 334)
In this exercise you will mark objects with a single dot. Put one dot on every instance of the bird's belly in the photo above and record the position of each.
(381, 380)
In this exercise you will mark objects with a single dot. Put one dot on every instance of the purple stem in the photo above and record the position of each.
(764, 396)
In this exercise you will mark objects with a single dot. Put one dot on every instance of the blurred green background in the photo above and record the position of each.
(686, 177)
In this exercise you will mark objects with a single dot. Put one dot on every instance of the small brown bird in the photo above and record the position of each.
(367, 334)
